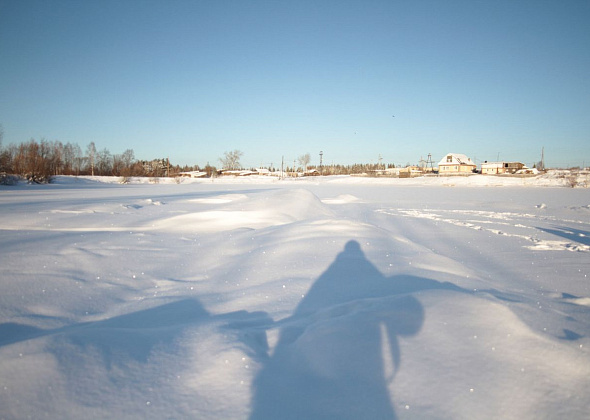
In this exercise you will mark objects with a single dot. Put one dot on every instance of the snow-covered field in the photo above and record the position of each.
(335, 297)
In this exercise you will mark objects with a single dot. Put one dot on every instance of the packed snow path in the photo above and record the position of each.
(331, 298)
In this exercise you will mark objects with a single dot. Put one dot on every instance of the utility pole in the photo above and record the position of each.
(321, 169)
(429, 162)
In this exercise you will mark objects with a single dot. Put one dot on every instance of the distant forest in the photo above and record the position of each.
(38, 161)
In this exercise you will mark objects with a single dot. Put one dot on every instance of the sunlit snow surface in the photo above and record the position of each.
(323, 298)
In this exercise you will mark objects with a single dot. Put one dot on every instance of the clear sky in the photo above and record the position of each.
(357, 80)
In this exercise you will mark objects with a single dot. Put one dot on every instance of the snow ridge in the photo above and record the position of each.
(331, 298)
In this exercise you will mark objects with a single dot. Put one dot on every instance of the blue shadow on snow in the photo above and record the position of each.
(337, 354)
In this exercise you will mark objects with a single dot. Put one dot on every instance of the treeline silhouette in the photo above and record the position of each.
(357, 168)
(38, 161)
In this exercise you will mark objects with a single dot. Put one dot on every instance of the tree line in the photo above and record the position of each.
(354, 169)
(231, 160)
(38, 161)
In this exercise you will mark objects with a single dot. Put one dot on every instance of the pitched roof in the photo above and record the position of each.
(456, 159)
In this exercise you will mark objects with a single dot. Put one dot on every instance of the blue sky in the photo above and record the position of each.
(354, 79)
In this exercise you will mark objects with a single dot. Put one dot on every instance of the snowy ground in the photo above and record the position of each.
(336, 297)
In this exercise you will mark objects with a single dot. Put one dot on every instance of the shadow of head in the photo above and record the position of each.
(353, 247)
(352, 277)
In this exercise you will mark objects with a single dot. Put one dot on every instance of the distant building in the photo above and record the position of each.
(263, 171)
(410, 172)
(456, 164)
(236, 172)
(495, 168)
(193, 174)
(156, 167)
(311, 172)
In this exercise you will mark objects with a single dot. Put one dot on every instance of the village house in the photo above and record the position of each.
(309, 172)
(456, 164)
(495, 168)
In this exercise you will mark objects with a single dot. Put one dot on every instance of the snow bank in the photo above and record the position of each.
(551, 178)
(275, 209)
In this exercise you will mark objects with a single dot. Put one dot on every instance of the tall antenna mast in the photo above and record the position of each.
(429, 162)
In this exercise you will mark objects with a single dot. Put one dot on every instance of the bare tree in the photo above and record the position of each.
(69, 158)
(128, 157)
(123, 164)
(231, 160)
(32, 160)
(304, 160)
(77, 156)
(117, 165)
(91, 152)
(4, 154)
(104, 162)
(57, 157)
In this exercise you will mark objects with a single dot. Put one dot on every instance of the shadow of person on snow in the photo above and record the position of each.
(335, 357)
(134, 335)
(337, 354)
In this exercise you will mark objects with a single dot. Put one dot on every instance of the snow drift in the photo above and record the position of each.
(324, 298)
